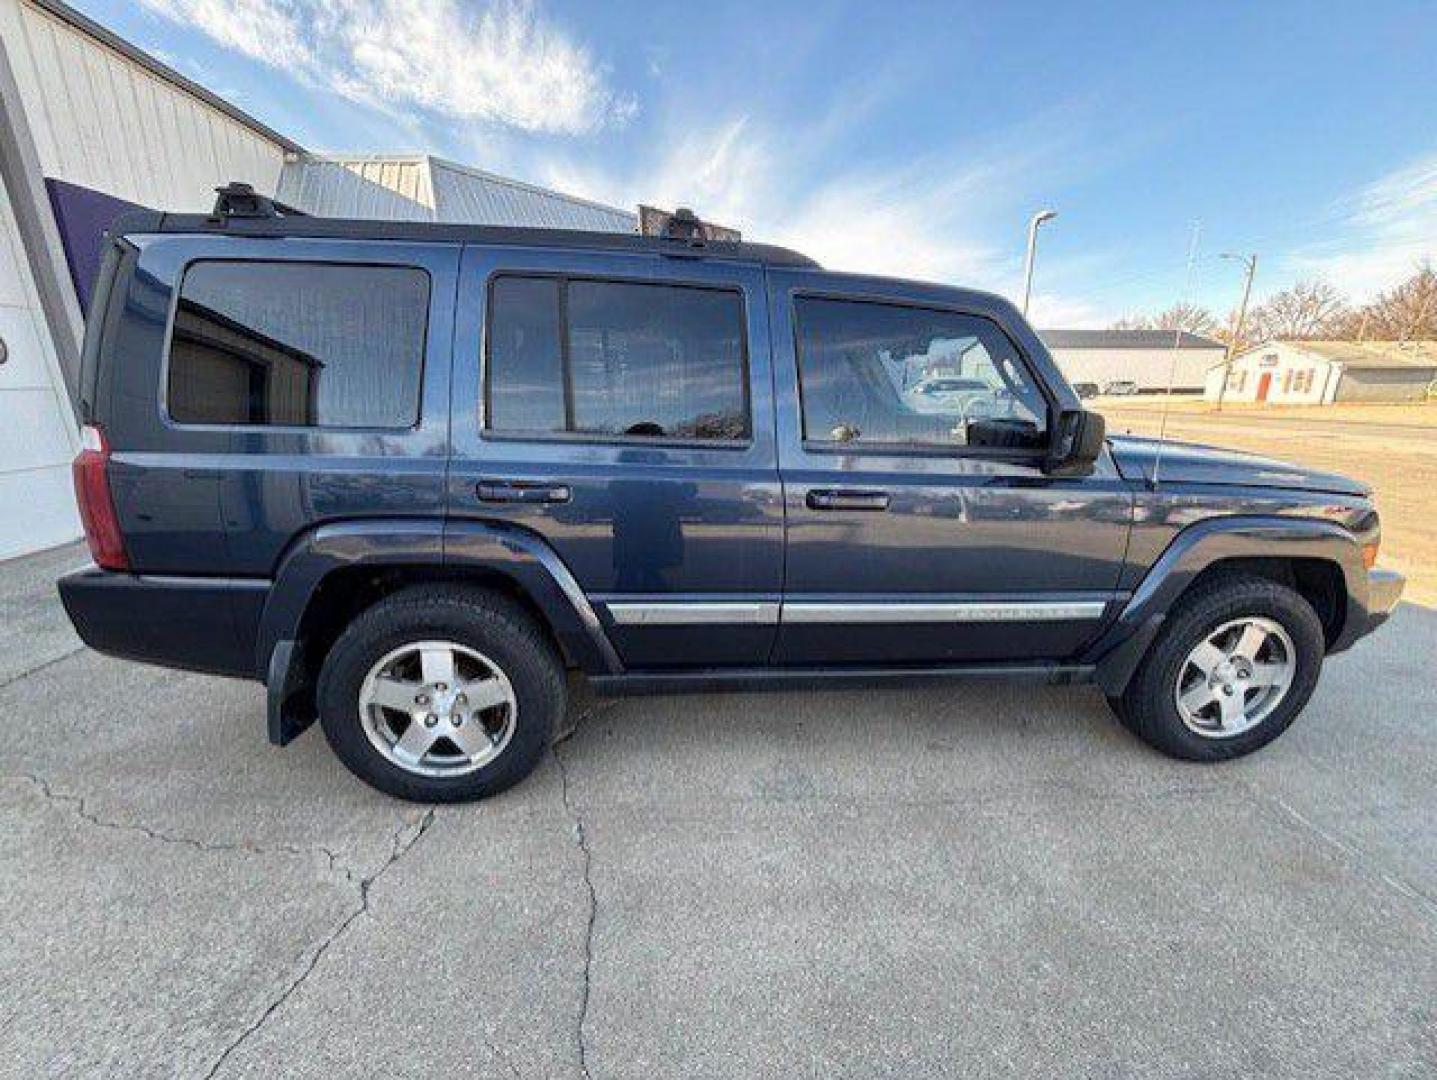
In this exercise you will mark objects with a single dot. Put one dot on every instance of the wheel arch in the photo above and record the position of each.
(1320, 559)
(334, 572)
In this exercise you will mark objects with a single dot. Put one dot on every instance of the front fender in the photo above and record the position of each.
(1200, 546)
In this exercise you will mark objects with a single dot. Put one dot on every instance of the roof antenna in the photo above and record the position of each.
(1177, 344)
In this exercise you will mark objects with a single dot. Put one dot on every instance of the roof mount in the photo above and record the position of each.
(240, 200)
(684, 226)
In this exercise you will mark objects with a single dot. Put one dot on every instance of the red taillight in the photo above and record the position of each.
(97, 509)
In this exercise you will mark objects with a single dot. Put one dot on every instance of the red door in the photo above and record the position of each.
(1263, 385)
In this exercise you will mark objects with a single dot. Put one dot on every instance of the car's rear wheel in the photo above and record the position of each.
(1231, 669)
(441, 694)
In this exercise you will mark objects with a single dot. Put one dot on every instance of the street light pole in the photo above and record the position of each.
(1249, 261)
(1033, 223)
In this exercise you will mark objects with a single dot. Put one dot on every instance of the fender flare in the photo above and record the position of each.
(1117, 653)
(496, 547)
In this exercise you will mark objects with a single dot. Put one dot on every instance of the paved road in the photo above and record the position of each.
(981, 881)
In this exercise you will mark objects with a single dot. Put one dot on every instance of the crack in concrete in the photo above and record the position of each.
(582, 841)
(400, 846)
(42, 666)
(1361, 861)
(81, 810)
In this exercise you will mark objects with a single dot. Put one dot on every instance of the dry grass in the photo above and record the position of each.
(1391, 447)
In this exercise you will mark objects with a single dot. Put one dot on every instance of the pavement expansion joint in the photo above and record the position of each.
(582, 841)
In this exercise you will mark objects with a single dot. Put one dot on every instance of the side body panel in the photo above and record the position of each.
(229, 499)
(645, 525)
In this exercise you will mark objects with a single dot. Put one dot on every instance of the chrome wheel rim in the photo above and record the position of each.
(1235, 677)
(437, 708)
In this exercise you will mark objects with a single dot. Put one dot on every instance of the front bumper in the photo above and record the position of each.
(199, 624)
(1384, 590)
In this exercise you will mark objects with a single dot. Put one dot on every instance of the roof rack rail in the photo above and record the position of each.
(240, 200)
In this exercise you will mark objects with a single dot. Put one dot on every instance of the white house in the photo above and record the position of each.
(1322, 372)
(88, 124)
(1149, 358)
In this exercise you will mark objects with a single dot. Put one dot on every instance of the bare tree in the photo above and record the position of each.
(1310, 309)
(1188, 317)
(1132, 322)
(1407, 312)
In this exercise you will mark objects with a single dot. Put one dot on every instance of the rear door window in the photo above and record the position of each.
(616, 360)
(298, 345)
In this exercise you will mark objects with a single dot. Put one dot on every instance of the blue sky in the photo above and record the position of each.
(900, 138)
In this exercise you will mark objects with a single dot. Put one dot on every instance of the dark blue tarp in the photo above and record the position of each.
(83, 215)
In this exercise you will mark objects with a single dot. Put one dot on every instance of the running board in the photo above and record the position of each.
(677, 682)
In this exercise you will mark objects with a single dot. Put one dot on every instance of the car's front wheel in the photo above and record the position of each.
(1234, 664)
(441, 694)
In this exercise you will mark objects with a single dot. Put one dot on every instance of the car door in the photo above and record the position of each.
(619, 406)
(921, 528)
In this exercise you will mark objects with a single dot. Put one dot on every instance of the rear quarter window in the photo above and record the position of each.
(295, 344)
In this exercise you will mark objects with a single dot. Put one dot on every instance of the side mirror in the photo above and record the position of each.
(1077, 441)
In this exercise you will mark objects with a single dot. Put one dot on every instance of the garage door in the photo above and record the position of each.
(37, 437)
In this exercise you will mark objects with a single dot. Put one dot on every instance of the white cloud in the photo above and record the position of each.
(505, 64)
(1386, 230)
(916, 219)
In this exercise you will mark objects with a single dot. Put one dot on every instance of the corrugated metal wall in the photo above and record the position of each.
(467, 195)
(37, 437)
(1385, 384)
(422, 188)
(382, 188)
(101, 120)
(1149, 368)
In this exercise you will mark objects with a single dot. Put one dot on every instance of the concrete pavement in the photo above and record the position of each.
(985, 880)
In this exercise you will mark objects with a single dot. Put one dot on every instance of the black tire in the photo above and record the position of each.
(482, 620)
(1147, 707)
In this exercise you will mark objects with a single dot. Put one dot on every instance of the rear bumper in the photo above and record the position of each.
(198, 624)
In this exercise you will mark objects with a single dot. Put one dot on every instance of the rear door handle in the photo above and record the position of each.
(846, 499)
(523, 491)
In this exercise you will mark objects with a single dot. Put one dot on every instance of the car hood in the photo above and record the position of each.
(1189, 463)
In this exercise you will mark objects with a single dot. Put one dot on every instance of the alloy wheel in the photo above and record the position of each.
(1235, 677)
(437, 708)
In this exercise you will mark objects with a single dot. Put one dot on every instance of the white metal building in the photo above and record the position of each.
(1323, 372)
(1146, 357)
(88, 122)
(421, 187)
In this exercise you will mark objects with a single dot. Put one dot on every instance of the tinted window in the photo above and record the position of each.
(306, 344)
(881, 373)
(658, 361)
(526, 378)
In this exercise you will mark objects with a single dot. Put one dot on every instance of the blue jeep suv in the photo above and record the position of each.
(413, 476)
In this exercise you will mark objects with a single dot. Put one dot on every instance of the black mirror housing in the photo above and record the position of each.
(1078, 439)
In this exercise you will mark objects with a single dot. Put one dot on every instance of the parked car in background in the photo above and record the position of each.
(410, 475)
(1085, 390)
(958, 395)
(1120, 388)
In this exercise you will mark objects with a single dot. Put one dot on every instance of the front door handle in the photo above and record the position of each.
(846, 499)
(523, 491)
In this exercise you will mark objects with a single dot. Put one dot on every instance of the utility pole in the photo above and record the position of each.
(1033, 223)
(1249, 261)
